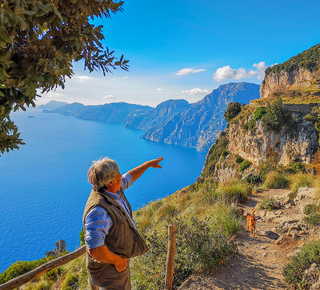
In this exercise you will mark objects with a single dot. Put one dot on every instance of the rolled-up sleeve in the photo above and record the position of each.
(97, 225)
(126, 181)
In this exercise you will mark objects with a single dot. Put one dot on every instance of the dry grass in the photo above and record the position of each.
(276, 180)
(301, 180)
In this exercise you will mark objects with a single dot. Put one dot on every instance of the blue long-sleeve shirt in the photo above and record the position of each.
(98, 222)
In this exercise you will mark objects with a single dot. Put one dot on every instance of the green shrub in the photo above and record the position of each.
(233, 109)
(276, 180)
(71, 282)
(244, 165)
(313, 219)
(311, 208)
(259, 112)
(269, 203)
(294, 270)
(267, 166)
(252, 125)
(214, 154)
(224, 154)
(227, 219)
(276, 117)
(254, 179)
(21, 267)
(296, 168)
(239, 159)
(236, 190)
(199, 248)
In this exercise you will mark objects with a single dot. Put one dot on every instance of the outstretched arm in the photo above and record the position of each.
(139, 170)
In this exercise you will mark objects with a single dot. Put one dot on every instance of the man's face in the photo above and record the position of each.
(117, 182)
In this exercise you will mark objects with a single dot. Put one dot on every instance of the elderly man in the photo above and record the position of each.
(110, 233)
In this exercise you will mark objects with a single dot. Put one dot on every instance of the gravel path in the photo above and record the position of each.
(259, 262)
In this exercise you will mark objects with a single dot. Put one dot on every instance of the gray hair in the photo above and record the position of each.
(102, 172)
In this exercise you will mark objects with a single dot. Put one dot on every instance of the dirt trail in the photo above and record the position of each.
(259, 262)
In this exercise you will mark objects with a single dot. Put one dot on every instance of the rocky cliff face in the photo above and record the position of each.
(296, 144)
(275, 83)
(297, 83)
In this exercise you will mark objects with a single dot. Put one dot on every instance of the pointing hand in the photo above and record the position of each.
(155, 162)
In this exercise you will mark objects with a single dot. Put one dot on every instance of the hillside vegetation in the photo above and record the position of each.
(308, 59)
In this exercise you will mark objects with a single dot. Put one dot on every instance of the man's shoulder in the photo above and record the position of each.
(96, 212)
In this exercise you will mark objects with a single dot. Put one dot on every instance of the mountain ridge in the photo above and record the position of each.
(173, 121)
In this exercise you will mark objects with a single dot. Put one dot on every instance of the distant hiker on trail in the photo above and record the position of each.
(110, 233)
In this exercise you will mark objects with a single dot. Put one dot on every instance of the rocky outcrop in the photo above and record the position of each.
(279, 82)
(294, 144)
(60, 248)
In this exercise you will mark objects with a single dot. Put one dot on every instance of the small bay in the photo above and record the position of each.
(44, 187)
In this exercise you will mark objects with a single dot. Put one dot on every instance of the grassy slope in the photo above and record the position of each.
(205, 220)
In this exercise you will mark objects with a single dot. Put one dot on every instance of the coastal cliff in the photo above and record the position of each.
(300, 76)
(295, 144)
(275, 126)
(173, 121)
(277, 83)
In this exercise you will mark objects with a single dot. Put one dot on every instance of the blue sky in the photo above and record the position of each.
(185, 49)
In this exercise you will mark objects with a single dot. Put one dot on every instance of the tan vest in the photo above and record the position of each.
(122, 239)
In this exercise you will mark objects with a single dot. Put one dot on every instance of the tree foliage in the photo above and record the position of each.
(21, 267)
(39, 41)
(216, 151)
(308, 59)
(259, 112)
(233, 110)
(276, 117)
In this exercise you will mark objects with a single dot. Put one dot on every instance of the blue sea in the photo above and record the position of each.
(44, 187)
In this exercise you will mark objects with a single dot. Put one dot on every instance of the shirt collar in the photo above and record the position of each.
(115, 196)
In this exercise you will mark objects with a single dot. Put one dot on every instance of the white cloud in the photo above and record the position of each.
(261, 67)
(84, 78)
(109, 97)
(55, 95)
(186, 71)
(160, 90)
(227, 73)
(196, 91)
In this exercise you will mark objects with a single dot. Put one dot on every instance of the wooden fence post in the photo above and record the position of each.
(91, 286)
(170, 256)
